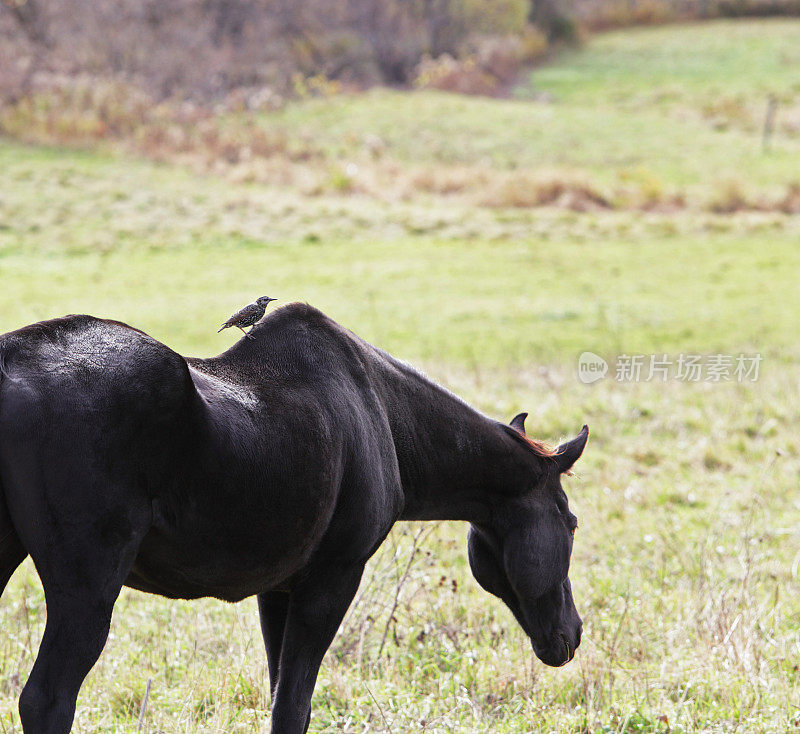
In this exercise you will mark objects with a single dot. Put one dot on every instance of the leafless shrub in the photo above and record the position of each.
(525, 190)
(464, 75)
(393, 575)
(448, 180)
(486, 64)
(790, 202)
(730, 197)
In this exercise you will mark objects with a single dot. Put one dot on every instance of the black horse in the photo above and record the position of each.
(274, 470)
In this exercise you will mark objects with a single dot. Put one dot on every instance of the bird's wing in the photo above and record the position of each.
(250, 309)
(242, 313)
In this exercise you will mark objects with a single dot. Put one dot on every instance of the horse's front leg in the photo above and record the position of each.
(316, 608)
(273, 606)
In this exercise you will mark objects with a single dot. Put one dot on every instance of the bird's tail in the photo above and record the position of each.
(224, 326)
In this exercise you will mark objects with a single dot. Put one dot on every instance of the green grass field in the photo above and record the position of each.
(686, 560)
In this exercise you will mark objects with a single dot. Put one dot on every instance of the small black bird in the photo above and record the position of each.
(248, 316)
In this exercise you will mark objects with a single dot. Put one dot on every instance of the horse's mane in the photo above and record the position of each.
(540, 448)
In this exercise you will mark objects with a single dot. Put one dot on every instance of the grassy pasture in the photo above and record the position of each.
(661, 109)
(686, 561)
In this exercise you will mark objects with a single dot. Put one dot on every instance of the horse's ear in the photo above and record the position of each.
(568, 453)
(518, 422)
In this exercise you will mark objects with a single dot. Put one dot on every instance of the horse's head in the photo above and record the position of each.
(522, 554)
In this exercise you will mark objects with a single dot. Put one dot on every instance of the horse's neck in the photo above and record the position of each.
(453, 460)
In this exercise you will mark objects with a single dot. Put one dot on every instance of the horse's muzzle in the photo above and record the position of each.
(561, 649)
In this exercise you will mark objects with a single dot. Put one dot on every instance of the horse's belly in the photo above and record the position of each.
(165, 582)
(230, 567)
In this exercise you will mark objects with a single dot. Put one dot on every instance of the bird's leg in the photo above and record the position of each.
(246, 333)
